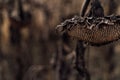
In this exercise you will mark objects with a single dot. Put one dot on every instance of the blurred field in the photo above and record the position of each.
(32, 50)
